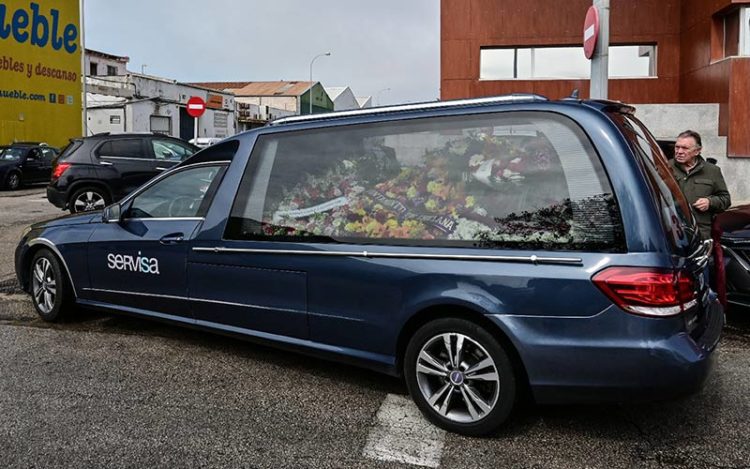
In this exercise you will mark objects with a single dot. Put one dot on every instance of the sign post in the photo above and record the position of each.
(195, 108)
(596, 47)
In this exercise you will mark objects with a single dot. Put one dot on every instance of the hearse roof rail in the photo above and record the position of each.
(509, 98)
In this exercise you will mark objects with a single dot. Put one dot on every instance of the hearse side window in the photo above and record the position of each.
(124, 148)
(676, 215)
(516, 180)
(184, 194)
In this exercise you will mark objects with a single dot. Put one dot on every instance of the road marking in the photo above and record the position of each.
(401, 434)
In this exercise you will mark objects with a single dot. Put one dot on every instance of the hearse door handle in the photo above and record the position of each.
(105, 163)
(173, 238)
(159, 168)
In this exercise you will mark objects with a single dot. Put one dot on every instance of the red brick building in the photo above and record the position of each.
(689, 51)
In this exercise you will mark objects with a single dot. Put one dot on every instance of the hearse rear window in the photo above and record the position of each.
(515, 180)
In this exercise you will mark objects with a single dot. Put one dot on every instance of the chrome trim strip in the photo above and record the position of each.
(369, 254)
(737, 240)
(738, 258)
(166, 219)
(129, 158)
(738, 303)
(202, 300)
(511, 98)
(101, 290)
(51, 245)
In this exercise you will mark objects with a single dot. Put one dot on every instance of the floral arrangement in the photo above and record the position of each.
(449, 197)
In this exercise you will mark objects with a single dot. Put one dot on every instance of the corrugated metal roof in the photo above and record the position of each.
(222, 85)
(274, 88)
(260, 88)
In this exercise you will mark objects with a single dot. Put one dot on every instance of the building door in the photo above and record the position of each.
(187, 125)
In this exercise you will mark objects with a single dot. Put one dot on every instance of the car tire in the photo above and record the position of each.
(87, 199)
(13, 181)
(472, 392)
(51, 291)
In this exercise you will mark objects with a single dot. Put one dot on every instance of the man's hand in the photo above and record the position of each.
(702, 204)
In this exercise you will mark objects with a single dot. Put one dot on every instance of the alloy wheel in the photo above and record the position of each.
(87, 201)
(458, 377)
(14, 181)
(44, 285)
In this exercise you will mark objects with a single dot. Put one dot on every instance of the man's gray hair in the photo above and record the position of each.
(695, 135)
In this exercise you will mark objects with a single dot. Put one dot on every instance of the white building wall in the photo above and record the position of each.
(102, 63)
(106, 120)
(150, 96)
(345, 101)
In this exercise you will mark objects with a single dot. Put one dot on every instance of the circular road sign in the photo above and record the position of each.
(196, 106)
(590, 31)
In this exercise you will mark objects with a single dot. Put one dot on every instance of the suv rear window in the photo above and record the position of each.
(126, 148)
(676, 216)
(516, 180)
(70, 148)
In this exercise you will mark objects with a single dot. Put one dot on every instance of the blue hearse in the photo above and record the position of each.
(483, 249)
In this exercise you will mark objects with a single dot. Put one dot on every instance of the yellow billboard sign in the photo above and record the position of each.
(40, 71)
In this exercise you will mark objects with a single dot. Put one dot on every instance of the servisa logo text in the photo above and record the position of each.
(146, 265)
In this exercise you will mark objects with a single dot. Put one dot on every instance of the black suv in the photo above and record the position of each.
(25, 163)
(92, 172)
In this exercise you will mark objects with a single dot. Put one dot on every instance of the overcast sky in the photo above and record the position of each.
(374, 44)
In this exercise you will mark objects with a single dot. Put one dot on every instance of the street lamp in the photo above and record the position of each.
(326, 54)
(377, 95)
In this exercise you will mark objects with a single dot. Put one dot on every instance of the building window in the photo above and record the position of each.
(732, 33)
(161, 125)
(111, 70)
(114, 119)
(530, 63)
(93, 69)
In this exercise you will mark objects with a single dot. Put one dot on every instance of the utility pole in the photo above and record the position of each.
(600, 60)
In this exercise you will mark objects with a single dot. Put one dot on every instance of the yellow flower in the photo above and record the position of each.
(412, 192)
(372, 226)
(353, 227)
(431, 205)
(470, 201)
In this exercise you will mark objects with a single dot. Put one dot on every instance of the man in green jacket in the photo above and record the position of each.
(701, 182)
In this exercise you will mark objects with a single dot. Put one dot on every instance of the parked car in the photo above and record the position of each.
(92, 172)
(25, 163)
(735, 224)
(203, 142)
(482, 249)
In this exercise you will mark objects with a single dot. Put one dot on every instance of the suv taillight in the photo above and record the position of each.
(59, 170)
(648, 292)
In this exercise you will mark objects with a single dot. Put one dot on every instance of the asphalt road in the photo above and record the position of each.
(109, 391)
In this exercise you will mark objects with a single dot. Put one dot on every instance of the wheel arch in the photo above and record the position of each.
(441, 311)
(35, 246)
(8, 175)
(78, 185)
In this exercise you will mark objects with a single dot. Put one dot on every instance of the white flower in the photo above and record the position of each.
(475, 160)
(468, 229)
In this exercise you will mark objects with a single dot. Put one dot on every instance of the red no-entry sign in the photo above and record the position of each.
(196, 106)
(590, 31)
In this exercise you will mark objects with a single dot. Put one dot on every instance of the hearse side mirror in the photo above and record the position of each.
(111, 214)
